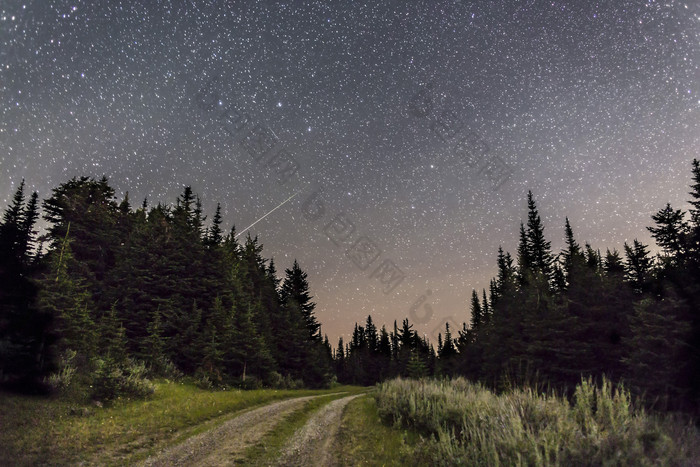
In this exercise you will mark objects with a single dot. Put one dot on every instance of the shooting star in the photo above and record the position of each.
(263, 217)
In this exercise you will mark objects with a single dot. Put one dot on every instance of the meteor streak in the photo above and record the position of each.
(263, 217)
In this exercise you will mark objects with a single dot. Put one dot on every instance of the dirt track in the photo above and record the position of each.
(225, 444)
(312, 444)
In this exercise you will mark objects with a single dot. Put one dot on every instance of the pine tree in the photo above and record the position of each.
(340, 360)
(416, 367)
(88, 205)
(493, 292)
(384, 353)
(296, 288)
(252, 355)
(371, 336)
(695, 195)
(485, 307)
(155, 344)
(28, 234)
(593, 259)
(613, 263)
(559, 281)
(24, 329)
(65, 297)
(475, 310)
(11, 232)
(573, 255)
(525, 260)
(539, 248)
(216, 236)
(670, 231)
(113, 345)
(448, 346)
(638, 266)
(657, 359)
(505, 281)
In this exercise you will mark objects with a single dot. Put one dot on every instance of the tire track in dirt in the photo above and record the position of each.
(312, 444)
(225, 444)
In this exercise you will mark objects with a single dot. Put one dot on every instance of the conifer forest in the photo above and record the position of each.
(116, 289)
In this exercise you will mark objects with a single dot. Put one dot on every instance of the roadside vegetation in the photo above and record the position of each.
(58, 431)
(465, 424)
(364, 440)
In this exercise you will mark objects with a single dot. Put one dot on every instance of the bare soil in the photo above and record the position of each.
(225, 444)
(312, 444)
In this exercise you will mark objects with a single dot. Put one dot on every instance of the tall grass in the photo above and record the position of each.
(466, 424)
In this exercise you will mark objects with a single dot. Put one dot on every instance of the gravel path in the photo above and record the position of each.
(312, 444)
(225, 444)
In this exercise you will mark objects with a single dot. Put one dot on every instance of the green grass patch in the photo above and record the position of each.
(270, 447)
(40, 430)
(364, 440)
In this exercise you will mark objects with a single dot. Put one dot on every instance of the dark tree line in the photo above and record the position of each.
(373, 355)
(155, 284)
(550, 317)
(163, 286)
(630, 316)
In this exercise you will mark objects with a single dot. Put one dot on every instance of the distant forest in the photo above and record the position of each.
(113, 293)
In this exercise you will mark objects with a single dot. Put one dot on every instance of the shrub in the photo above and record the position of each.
(62, 379)
(465, 424)
(250, 382)
(163, 367)
(113, 380)
(202, 379)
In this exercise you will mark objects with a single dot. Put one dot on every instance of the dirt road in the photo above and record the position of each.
(225, 444)
(312, 445)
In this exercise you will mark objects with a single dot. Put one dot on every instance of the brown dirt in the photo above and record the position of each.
(225, 444)
(312, 444)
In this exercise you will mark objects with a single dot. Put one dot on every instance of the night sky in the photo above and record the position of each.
(406, 132)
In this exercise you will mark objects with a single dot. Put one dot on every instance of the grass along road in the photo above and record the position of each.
(41, 430)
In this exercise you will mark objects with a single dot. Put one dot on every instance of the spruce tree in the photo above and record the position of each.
(415, 367)
(11, 232)
(89, 206)
(475, 311)
(27, 232)
(113, 344)
(155, 344)
(573, 255)
(215, 237)
(638, 266)
(670, 231)
(539, 248)
(657, 360)
(525, 260)
(485, 307)
(65, 297)
(695, 195)
(24, 328)
(613, 264)
(295, 288)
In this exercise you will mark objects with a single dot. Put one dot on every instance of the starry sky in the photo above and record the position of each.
(403, 135)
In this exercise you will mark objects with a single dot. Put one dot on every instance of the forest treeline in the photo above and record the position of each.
(550, 318)
(112, 292)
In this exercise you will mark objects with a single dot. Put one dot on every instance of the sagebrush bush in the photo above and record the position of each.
(163, 367)
(466, 424)
(62, 379)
